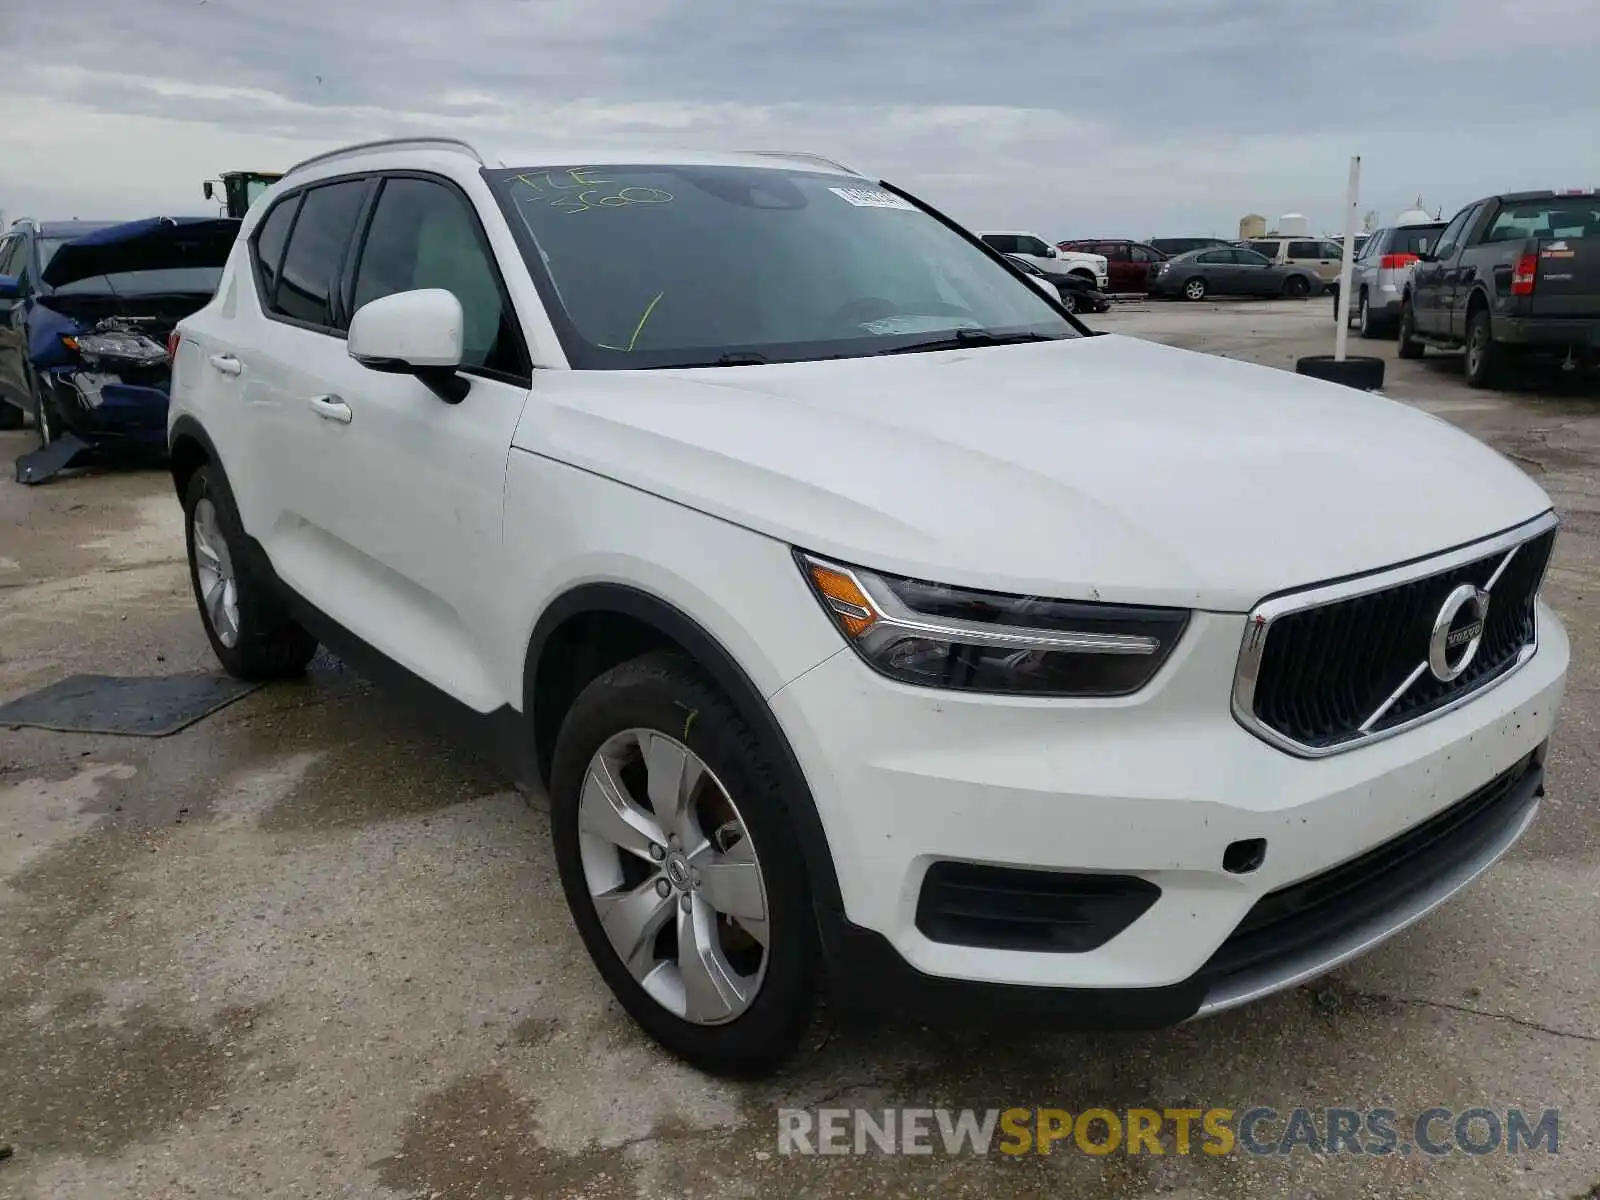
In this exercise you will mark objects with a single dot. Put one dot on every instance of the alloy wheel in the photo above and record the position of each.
(1195, 289)
(673, 876)
(219, 586)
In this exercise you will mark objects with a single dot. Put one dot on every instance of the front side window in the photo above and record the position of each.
(1032, 245)
(322, 232)
(1215, 256)
(663, 266)
(1250, 258)
(423, 235)
(1452, 234)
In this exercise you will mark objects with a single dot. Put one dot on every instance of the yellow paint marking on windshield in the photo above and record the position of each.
(590, 193)
(637, 329)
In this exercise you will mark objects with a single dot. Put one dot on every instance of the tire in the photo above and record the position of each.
(1069, 300)
(1484, 359)
(1359, 372)
(1296, 288)
(46, 420)
(1409, 346)
(1335, 294)
(1365, 321)
(663, 701)
(1194, 289)
(257, 639)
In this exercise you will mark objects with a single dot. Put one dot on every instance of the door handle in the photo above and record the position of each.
(331, 408)
(227, 364)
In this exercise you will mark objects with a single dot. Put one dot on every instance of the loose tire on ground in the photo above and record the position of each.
(1357, 372)
(257, 640)
(665, 694)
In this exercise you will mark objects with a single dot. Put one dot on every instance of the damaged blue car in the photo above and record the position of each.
(86, 311)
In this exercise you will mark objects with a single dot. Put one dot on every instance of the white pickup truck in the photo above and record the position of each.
(1047, 258)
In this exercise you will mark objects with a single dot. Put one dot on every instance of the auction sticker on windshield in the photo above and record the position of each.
(872, 198)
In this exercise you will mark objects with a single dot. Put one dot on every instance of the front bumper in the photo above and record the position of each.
(1158, 786)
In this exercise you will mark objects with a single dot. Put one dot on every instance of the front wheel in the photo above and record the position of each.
(46, 420)
(1195, 289)
(1296, 288)
(250, 633)
(1069, 300)
(679, 865)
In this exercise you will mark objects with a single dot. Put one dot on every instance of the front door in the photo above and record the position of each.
(1430, 284)
(411, 492)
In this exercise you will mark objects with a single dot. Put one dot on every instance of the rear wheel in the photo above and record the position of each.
(1365, 321)
(679, 865)
(1194, 289)
(251, 633)
(1484, 364)
(1409, 346)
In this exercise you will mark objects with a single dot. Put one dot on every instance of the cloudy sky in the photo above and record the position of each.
(1073, 118)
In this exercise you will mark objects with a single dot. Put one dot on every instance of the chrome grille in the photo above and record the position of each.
(1324, 670)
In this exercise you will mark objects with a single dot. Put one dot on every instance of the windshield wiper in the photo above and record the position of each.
(737, 358)
(960, 339)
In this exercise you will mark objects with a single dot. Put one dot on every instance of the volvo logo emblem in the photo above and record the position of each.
(1457, 632)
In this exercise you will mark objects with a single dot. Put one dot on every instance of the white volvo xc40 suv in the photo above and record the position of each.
(865, 617)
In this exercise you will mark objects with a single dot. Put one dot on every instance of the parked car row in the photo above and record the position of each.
(1510, 278)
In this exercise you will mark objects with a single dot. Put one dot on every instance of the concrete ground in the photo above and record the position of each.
(305, 949)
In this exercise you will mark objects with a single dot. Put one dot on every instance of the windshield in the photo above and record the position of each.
(168, 282)
(670, 266)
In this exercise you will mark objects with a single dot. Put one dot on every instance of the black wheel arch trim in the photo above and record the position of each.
(188, 427)
(724, 670)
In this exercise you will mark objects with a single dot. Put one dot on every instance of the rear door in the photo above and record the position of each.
(1145, 260)
(1120, 267)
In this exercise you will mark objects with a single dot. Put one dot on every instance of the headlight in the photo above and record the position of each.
(949, 637)
(125, 347)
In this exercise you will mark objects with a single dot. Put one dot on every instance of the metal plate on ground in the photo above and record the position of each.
(132, 706)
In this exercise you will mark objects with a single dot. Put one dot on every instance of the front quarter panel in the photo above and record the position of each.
(566, 527)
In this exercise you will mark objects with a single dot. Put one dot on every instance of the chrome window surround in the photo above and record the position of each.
(1259, 623)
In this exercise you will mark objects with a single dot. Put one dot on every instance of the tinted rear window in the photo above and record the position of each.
(1569, 217)
(1413, 239)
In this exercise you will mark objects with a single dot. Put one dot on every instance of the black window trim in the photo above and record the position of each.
(298, 195)
(523, 377)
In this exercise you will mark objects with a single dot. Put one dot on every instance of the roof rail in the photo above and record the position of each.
(803, 157)
(29, 221)
(382, 144)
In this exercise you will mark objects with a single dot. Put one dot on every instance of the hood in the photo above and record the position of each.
(1095, 468)
(153, 244)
